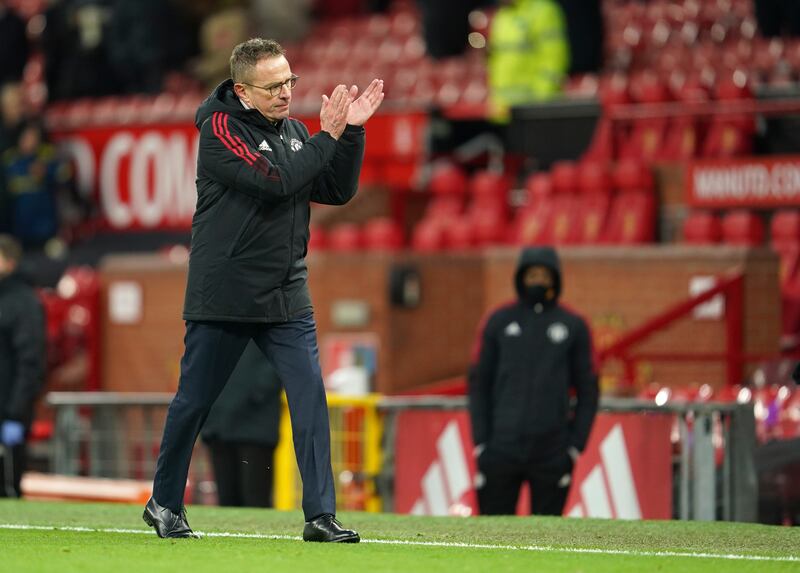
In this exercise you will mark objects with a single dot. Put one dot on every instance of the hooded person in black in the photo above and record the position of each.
(22, 364)
(530, 356)
(257, 172)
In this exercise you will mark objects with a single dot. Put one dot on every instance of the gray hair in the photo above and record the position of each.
(246, 55)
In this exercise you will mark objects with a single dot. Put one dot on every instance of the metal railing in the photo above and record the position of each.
(731, 287)
(107, 434)
(705, 490)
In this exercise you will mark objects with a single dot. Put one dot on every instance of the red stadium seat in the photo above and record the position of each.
(785, 239)
(632, 218)
(785, 227)
(680, 140)
(489, 226)
(538, 186)
(444, 207)
(345, 237)
(646, 140)
(564, 177)
(383, 234)
(646, 136)
(460, 234)
(489, 184)
(647, 88)
(592, 217)
(743, 228)
(487, 211)
(702, 228)
(633, 175)
(602, 145)
(428, 236)
(594, 177)
(531, 224)
(728, 137)
(447, 179)
(563, 225)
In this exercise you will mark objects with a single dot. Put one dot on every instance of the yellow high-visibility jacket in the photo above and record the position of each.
(528, 54)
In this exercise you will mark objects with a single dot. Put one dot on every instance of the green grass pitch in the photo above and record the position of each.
(87, 538)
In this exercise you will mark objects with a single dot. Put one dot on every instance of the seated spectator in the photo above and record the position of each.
(34, 177)
(528, 54)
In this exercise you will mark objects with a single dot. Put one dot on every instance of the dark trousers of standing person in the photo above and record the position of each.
(243, 473)
(212, 351)
(504, 477)
(12, 462)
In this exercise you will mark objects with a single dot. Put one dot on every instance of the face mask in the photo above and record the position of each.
(536, 294)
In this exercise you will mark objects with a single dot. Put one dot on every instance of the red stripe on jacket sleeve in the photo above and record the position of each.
(237, 141)
(260, 164)
(239, 148)
(226, 140)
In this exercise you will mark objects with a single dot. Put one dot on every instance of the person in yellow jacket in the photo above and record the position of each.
(528, 54)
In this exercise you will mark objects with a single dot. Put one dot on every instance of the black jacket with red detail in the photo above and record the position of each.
(255, 181)
(527, 363)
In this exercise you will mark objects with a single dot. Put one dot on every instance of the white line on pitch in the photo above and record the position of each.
(537, 548)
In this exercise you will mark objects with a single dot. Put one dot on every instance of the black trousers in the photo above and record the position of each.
(212, 351)
(243, 473)
(12, 464)
(504, 476)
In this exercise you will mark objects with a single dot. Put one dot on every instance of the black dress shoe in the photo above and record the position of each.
(166, 522)
(328, 529)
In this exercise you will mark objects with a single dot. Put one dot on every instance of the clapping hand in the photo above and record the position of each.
(362, 108)
(335, 110)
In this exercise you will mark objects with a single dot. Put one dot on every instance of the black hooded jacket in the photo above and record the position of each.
(527, 358)
(255, 180)
(22, 349)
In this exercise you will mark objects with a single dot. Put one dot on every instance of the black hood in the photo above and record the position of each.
(225, 100)
(538, 256)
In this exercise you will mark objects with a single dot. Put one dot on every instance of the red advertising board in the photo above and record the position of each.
(143, 176)
(434, 464)
(625, 471)
(766, 182)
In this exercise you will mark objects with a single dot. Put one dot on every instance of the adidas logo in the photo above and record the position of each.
(264, 146)
(608, 490)
(447, 479)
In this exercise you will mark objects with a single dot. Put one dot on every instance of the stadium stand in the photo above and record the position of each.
(680, 83)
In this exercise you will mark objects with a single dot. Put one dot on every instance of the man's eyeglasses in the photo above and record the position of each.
(275, 89)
